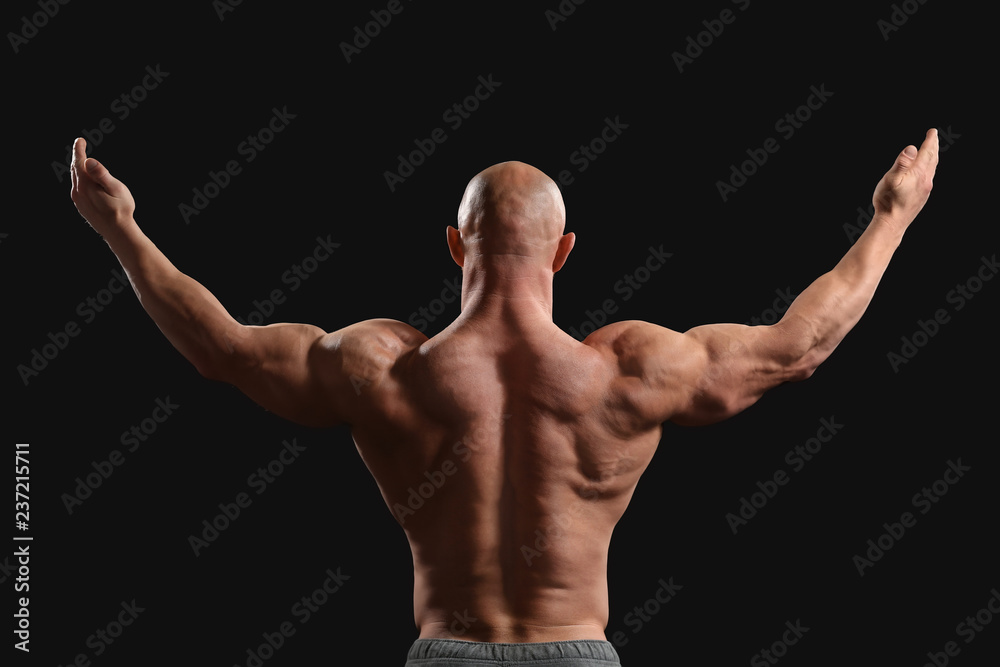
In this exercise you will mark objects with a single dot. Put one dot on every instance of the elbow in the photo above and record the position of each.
(221, 369)
(804, 367)
(801, 349)
(212, 366)
(207, 368)
(801, 373)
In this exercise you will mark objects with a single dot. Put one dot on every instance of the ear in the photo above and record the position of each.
(566, 243)
(455, 245)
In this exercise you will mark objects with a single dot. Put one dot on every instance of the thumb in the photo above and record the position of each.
(99, 174)
(905, 159)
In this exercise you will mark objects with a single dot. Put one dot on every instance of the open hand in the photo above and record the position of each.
(904, 189)
(101, 199)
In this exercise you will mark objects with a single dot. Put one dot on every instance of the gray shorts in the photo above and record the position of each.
(456, 653)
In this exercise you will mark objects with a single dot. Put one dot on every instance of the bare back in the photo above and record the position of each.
(507, 458)
(508, 451)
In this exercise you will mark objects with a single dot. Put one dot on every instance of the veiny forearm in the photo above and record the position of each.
(822, 315)
(189, 315)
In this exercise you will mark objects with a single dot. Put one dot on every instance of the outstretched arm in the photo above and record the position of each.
(712, 372)
(297, 371)
(821, 316)
(188, 314)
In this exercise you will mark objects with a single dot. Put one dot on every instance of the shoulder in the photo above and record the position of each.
(636, 345)
(367, 349)
(655, 368)
(381, 336)
(363, 356)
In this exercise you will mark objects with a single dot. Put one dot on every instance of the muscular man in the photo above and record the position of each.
(530, 429)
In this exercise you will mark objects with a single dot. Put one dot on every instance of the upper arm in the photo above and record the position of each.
(704, 375)
(302, 373)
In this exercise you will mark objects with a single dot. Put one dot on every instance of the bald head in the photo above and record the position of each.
(512, 208)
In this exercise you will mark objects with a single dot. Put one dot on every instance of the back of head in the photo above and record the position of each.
(512, 208)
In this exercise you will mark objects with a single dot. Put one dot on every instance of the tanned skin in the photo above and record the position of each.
(530, 429)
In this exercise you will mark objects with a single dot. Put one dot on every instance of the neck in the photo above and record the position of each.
(511, 288)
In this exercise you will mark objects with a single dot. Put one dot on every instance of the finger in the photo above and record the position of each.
(929, 149)
(79, 157)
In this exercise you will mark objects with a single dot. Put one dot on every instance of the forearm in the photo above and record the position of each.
(822, 315)
(189, 315)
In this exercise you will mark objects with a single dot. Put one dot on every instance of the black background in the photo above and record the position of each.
(656, 184)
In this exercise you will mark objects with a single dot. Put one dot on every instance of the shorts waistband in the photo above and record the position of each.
(588, 649)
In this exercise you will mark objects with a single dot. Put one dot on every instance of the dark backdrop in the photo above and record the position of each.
(200, 79)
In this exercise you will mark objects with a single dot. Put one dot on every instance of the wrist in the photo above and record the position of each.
(120, 227)
(887, 224)
(124, 238)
